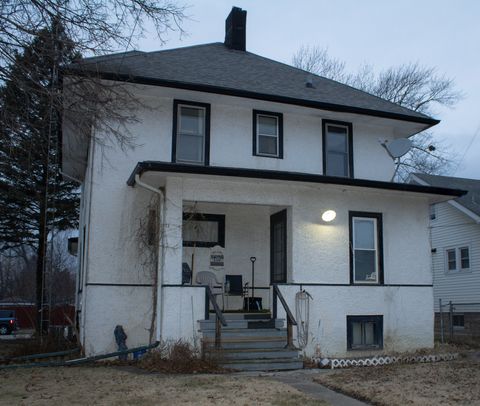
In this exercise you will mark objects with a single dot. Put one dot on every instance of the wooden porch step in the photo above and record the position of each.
(276, 364)
(246, 324)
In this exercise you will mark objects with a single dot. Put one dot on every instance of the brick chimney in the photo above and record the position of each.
(235, 29)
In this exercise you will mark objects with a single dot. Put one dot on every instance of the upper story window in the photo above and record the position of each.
(191, 132)
(366, 248)
(337, 149)
(267, 134)
(457, 259)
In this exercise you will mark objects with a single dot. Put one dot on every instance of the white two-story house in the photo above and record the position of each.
(238, 157)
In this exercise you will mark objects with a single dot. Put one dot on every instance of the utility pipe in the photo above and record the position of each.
(161, 248)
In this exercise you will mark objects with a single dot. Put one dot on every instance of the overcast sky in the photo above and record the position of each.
(437, 33)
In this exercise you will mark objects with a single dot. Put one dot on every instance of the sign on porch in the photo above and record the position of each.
(217, 257)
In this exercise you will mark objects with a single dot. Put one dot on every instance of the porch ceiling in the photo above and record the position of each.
(148, 168)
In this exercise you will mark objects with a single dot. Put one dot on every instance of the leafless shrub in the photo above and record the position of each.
(178, 357)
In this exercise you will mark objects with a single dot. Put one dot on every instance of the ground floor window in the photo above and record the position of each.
(364, 332)
(203, 230)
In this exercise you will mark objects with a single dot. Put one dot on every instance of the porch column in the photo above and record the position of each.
(172, 232)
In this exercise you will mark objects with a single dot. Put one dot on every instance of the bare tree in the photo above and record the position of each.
(412, 85)
(317, 60)
(34, 36)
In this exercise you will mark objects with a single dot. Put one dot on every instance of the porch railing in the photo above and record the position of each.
(290, 319)
(219, 320)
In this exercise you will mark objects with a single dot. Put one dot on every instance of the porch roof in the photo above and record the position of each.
(159, 166)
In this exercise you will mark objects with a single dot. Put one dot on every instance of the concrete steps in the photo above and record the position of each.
(250, 342)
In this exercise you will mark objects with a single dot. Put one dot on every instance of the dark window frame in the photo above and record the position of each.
(325, 124)
(279, 117)
(380, 262)
(218, 218)
(378, 331)
(206, 152)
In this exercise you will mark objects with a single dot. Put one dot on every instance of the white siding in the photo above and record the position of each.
(451, 229)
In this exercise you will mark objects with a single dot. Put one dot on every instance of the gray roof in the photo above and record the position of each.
(218, 67)
(470, 201)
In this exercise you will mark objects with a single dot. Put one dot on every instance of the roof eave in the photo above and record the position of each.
(157, 166)
(427, 121)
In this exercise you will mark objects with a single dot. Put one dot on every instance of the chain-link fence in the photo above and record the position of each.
(457, 320)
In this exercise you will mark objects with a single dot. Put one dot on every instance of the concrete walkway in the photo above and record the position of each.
(303, 381)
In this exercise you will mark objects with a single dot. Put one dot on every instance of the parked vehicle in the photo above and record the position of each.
(8, 322)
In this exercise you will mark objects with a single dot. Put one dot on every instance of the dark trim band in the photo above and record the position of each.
(157, 166)
(385, 285)
(135, 285)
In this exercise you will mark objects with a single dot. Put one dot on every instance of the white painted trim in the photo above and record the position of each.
(454, 203)
(464, 210)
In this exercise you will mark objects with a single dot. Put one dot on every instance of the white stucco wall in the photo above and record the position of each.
(317, 252)
(407, 317)
(231, 134)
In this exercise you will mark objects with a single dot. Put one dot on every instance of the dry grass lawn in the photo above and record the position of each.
(109, 385)
(442, 383)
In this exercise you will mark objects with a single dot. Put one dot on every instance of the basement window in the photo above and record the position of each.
(364, 332)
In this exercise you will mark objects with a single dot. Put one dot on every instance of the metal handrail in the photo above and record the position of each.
(290, 319)
(277, 292)
(217, 310)
(219, 320)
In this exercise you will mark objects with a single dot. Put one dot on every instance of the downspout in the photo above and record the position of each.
(160, 248)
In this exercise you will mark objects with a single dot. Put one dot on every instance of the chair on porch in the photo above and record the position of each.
(209, 278)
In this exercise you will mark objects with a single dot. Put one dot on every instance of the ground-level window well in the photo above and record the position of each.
(364, 332)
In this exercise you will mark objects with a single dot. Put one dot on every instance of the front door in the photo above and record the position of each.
(278, 247)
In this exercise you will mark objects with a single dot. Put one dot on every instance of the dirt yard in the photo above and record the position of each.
(113, 385)
(442, 383)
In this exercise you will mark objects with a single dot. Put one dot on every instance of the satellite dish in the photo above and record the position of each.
(397, 148)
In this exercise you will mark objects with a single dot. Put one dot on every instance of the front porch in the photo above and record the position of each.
(238, 250)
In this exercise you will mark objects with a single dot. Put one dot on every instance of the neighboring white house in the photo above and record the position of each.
(455, 236)
(248, 154)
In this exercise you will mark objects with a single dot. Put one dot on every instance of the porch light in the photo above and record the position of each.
(329, 215)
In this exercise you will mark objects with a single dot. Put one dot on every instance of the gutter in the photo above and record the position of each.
(158, 166)
(161, 210)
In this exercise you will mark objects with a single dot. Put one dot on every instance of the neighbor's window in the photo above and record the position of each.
(191, 133)
(337, 149)
(366, 247)
(451, 259)
(267, 134)
(464, 258)
(203, 230)
(364, 332)
(433, 212)
(458, 321)
(457, 258)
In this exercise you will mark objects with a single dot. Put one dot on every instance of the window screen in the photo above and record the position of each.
(190, 146)
(337, 150)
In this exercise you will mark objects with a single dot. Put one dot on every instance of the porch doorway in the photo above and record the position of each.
(278, 247)
(222, 238)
